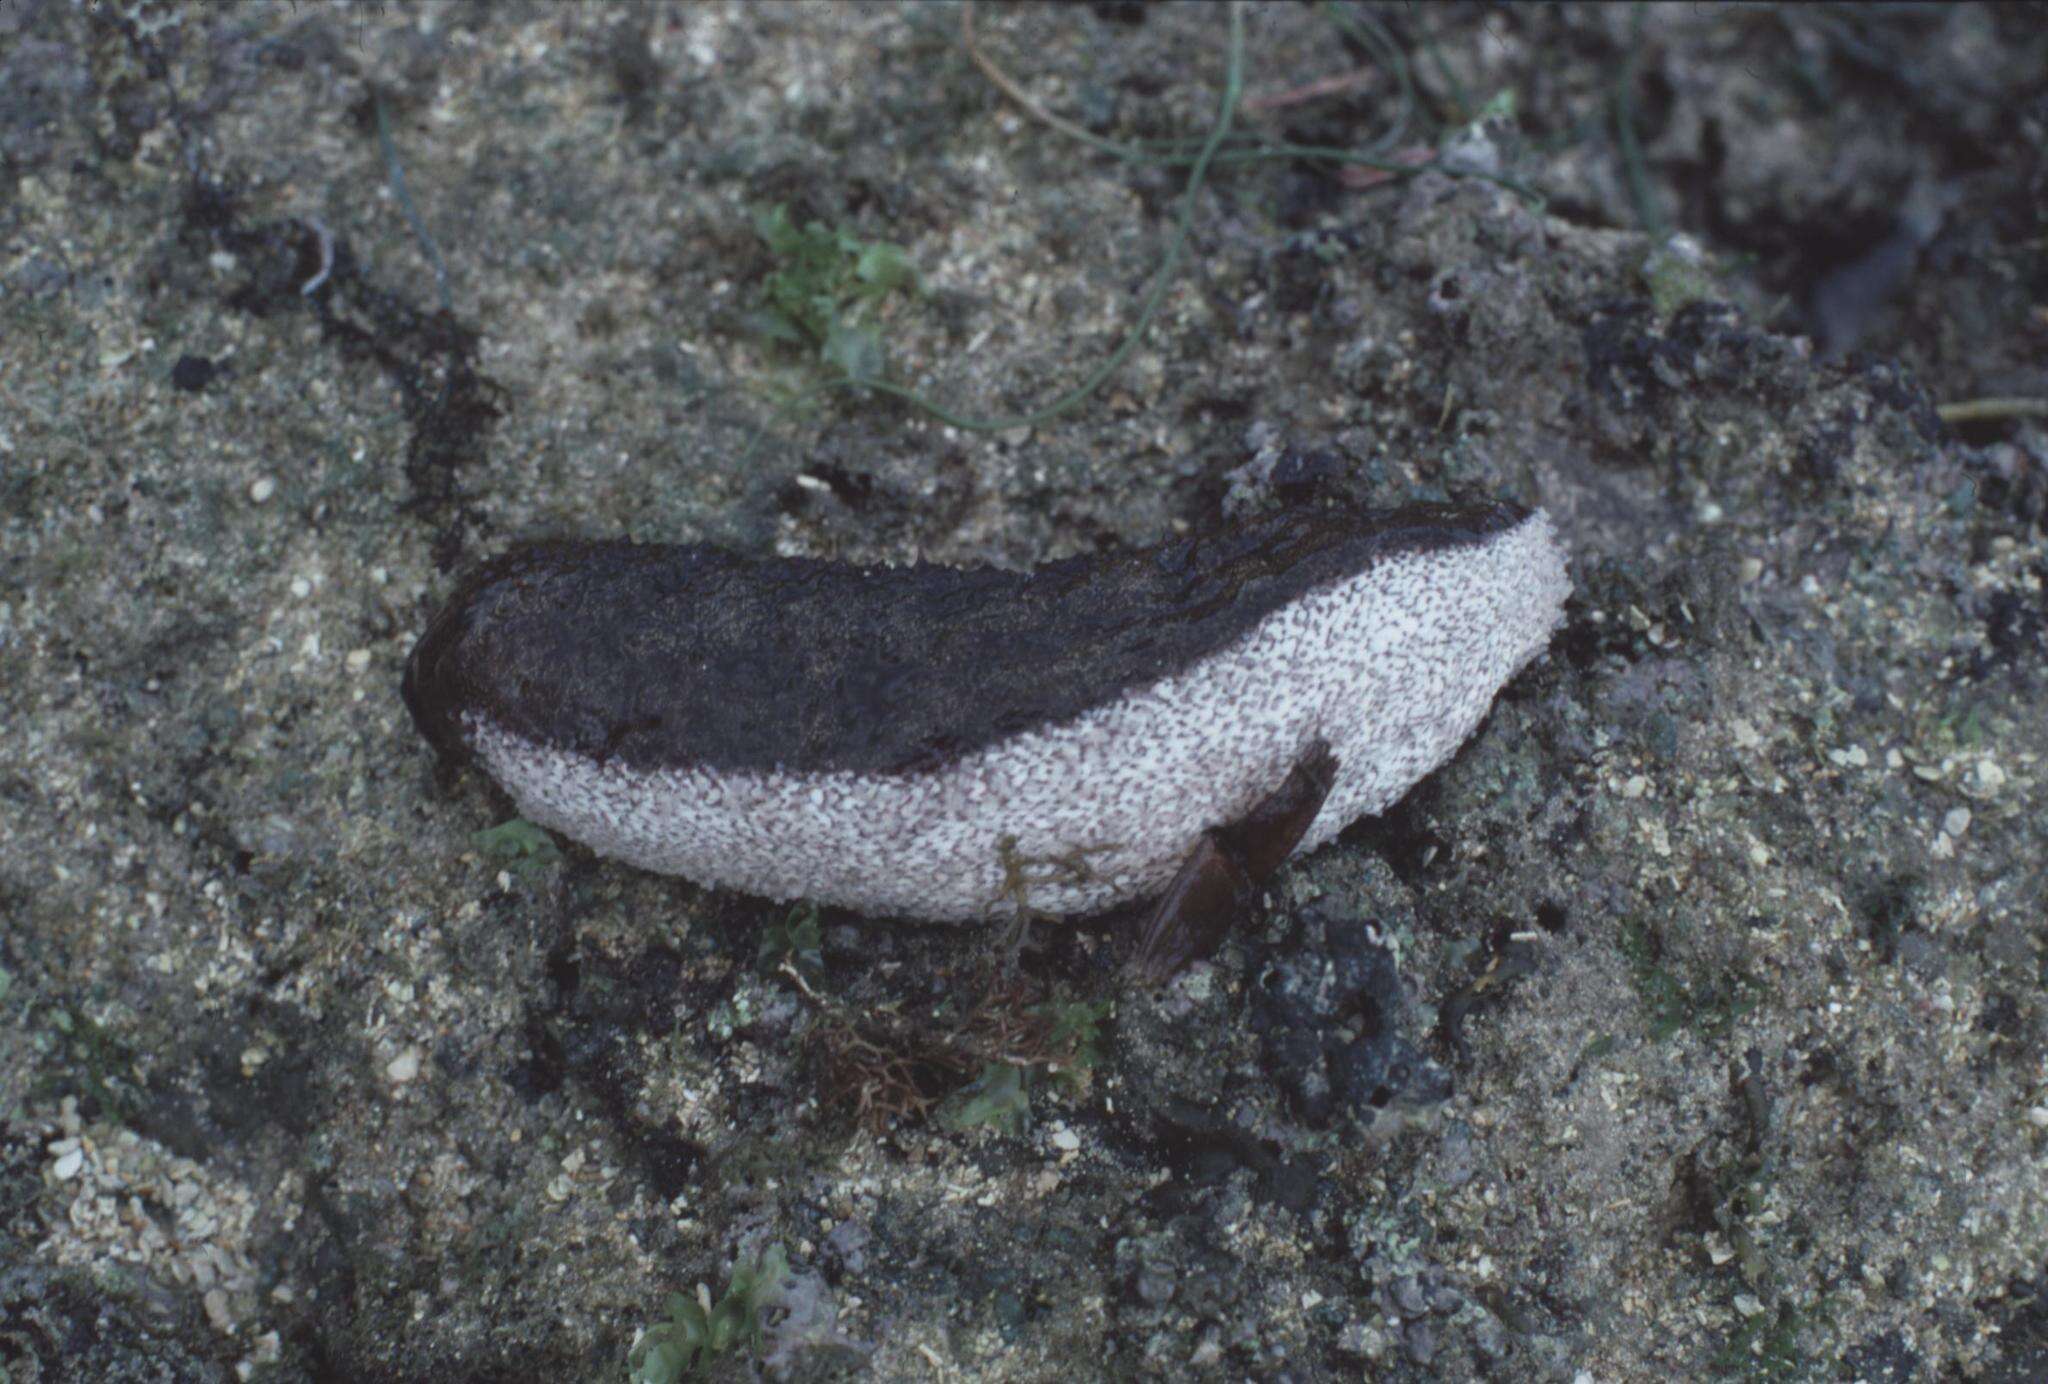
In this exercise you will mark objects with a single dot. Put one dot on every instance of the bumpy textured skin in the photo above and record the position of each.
(868, 736)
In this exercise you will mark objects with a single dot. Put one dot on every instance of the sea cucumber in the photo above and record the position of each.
(895, 739)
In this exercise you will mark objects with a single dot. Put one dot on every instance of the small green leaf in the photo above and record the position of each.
(1075, 1038)
(1597, 1049)
(1075, 1021)
(692, 1338)
(884, 267)
(776, 230)
(688, 1321)
(514, 838)
(1500, 106)
(797, 939)
(775, 327)
(823, 279)
(519, 844)
(728, 1319)
(762, 1287)
(661, 1362)
(855, 351)
(996, 1098)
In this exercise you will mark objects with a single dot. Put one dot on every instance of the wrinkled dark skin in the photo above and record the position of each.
(661, 656)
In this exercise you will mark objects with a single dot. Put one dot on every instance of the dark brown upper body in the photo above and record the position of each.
(665, 655)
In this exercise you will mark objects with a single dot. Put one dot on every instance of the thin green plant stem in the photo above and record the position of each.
(1230, 158)
(1369, 32)
(1252, 148)
(1647, 209)
(1215, 151)
(395, 171)
(1233, 87)
(1459, 94)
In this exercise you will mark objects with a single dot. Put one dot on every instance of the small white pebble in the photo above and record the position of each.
(1065, 1140)
(2038, 1117)
(1747, 1304)
(1990, 778)
(357, 660)
(262, 489)
(301, 588)
(404, 1067)
(67, 1166)
(1956, 822)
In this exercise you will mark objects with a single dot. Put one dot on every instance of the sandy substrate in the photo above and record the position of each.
(1689, 1022)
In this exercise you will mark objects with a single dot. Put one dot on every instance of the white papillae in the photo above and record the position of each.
(1394, 667)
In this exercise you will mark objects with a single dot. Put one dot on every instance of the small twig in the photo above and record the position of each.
(1359, 176)
(789, 969)
(1982, 410)
(1002, 82)
(326, 239)
(1310, 91)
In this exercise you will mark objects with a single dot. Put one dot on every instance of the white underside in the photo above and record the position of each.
(1393, 667)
